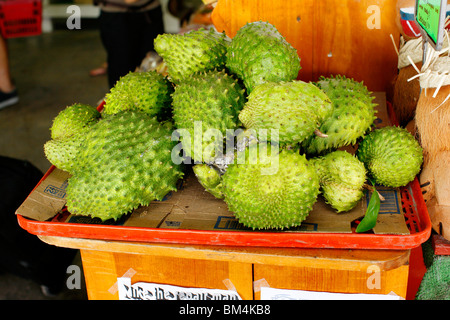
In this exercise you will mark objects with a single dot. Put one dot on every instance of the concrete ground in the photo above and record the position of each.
(50, 71)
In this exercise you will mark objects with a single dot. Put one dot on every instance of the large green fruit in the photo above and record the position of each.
(126, 162)
(62, 152)
(191, 52)
(342, 177)
(338, 87)
(68, 130)
(76, 118)
(258, 53)
(149, 92)
(392, 156)
(295, 108)
(204, 107)
(275, 191)
(353, 115)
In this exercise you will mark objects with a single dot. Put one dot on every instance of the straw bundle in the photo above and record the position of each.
(433, 108)
(433, 126)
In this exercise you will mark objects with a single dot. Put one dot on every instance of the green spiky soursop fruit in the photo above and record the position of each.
(191, 52)
(295, 108)
(210, 178)
(276, 191)
(68, 130)
(75, 118)
(127, 162)
(204, 107)
(392, 156)
(342, 177)
(149, 92)
(338, 87)
(258, 53)
(353, 115)
(62, 152)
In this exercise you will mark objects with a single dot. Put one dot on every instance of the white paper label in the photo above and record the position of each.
(268, 293)
(155, 291)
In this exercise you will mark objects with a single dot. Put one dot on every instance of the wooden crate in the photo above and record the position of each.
(215, 267)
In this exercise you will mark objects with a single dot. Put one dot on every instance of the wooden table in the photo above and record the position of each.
(216, 267)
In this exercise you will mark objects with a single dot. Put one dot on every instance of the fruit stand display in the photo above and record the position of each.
(248, 163)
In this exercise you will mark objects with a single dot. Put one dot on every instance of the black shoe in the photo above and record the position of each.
(48, 292)
(8, 99)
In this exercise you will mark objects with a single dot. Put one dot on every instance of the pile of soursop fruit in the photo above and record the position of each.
(285, 149)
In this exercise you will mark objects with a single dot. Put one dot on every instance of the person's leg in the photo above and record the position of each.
(6, 84)
(114, 32)
(146, 27)
(8, 92)
(154, 25)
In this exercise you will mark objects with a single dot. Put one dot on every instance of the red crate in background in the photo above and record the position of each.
(20, 18)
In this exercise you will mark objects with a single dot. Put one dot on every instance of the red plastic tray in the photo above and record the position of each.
(415, 212)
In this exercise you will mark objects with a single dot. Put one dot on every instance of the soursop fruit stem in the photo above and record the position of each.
(318, 133)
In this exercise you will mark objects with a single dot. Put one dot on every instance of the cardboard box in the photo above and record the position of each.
(191, 207)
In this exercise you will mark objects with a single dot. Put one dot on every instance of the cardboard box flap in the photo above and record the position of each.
(48, 198)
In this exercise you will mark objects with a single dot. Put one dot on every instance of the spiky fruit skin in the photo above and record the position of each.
(62, 152)
(127, 162)
(295, 108)
(258, 53)
(350, 120)
(149, 92)
(353, 115)
(342, 177)
(392, 156)
(338, 87)
(206, 104)
(191, 52)
(73, 119)
(67, 132)
(276, 193)
(209, 178)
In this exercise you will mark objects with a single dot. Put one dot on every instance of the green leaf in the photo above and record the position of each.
(370, 218)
